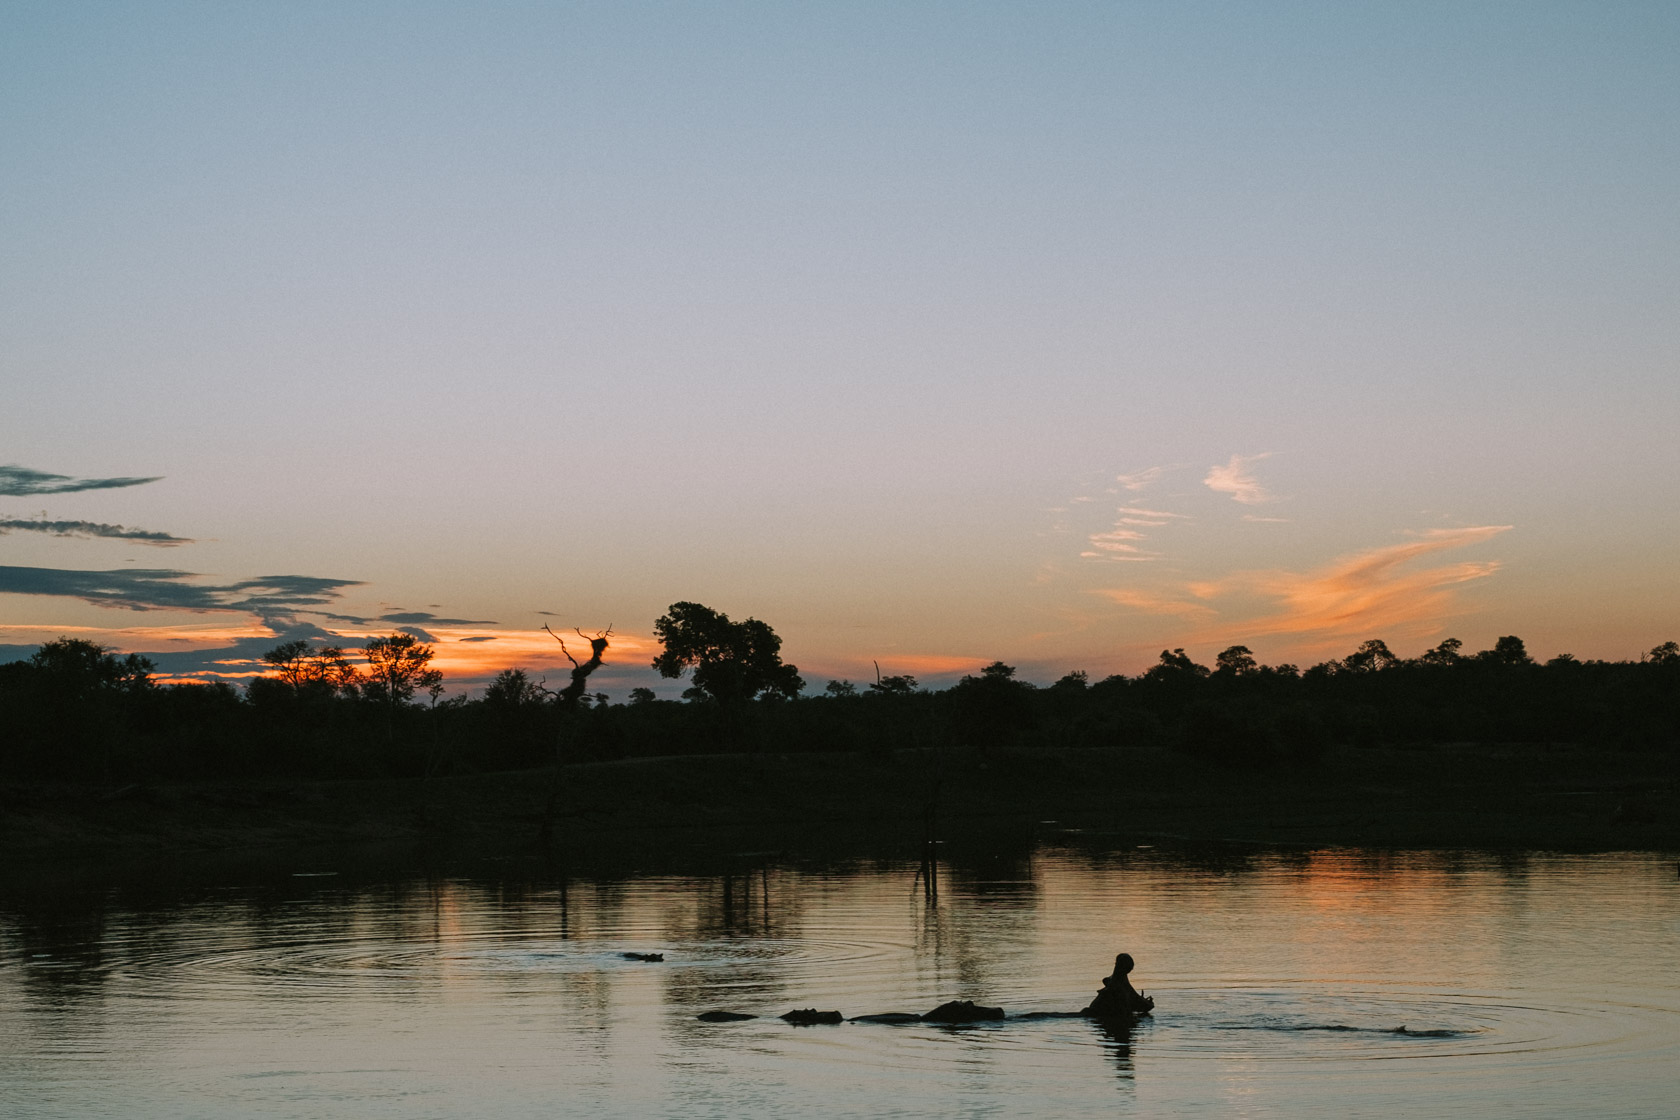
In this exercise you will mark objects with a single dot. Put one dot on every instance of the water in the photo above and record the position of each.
(1340, 983)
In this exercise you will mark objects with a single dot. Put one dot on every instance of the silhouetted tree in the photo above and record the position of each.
(309, 671)
(1173, 681)
(1072, 683)
(1447, 653)
(1236, 661)
(1370, 657)
(1175, 665)
(567, 703)
(992, 707)
(512, 688)
(1508, 650)
(572, 696)
(840, 689)
(733, 662)
(86, 693)
(902, 685)
(77, 669)
(397, 668)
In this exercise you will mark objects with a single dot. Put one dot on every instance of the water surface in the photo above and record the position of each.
(1337, 983)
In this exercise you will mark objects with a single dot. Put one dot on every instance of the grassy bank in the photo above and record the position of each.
(1453, 796)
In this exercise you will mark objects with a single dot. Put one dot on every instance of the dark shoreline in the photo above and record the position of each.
(1460, 797)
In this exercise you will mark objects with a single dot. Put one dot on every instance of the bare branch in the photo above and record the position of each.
(563, 648)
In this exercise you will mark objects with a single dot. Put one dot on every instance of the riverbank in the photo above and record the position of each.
(1521, 797)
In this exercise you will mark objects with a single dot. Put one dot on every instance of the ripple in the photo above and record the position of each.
(1299, 1022)
(1318, 1023)
(465, 992)
(328, 966)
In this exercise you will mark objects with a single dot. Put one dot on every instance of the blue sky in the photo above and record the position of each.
(868, 320)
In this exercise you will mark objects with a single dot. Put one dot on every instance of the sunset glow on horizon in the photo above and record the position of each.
(1057, 335)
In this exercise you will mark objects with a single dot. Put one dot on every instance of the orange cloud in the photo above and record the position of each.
(138, 638)
(1376, 591)
(1371, 591)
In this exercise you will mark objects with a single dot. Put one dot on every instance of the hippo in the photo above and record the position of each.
(962, 1011)
(809, 1015)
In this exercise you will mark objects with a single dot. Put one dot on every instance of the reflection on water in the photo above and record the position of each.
(1330, 983)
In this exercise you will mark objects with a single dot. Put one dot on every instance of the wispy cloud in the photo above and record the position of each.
(1266, 520)
(17, 482)
(1137, 511)
(1234, 479)
(1140, 480)
(1155, 603)
(91, 529)
(1373, 590)
(1392, 591)
(400, 619)
(1117, 544)
(426, 618)
(1368, 593)
(1120, 542)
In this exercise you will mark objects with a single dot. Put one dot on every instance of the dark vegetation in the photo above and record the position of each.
(77, 712)
(1486, 747)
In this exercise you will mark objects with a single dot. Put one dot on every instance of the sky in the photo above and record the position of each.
(930, 334)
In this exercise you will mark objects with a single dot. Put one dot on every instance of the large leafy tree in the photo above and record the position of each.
(732, 661)
(77, 668)
(397, 666)
(81, 697)
(992, 707)
(1234, 661)
(307, 670)
(1371, 657)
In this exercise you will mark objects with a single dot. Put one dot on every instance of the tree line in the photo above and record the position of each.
(77, 711)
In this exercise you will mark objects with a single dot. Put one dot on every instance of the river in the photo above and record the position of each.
(1332, 983)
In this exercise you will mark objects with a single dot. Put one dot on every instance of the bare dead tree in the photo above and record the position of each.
(569, 696)
(566, 704)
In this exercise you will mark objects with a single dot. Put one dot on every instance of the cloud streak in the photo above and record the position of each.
(92, 529)
(1386, 591)
(426, 618)
(19, 482)
(1234, 479)
(1373, 590)
(408, 618)
(148, 589)
(1119, 543)
(1153, 603)
(1140, 480)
